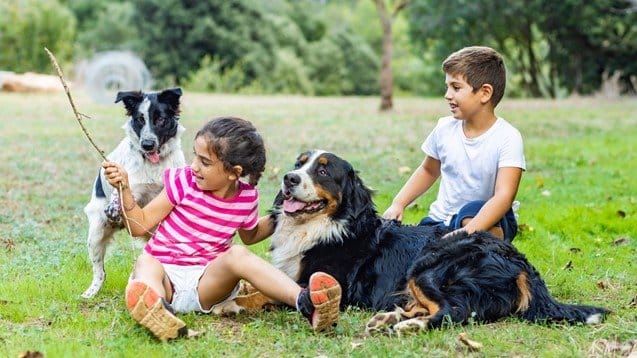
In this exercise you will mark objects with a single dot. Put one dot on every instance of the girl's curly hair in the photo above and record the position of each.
(236, 141)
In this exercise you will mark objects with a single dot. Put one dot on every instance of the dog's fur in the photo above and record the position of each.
(325, 220)
(152, 144)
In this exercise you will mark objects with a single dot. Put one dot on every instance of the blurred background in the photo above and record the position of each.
(552, 49)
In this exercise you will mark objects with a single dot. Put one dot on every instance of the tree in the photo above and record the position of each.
(386, 79)
(550, 47)
(26, 27)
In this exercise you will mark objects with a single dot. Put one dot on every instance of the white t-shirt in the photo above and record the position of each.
(468, 166)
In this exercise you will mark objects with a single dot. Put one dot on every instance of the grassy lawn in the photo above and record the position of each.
(578, 218)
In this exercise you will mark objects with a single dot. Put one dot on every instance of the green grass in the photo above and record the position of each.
(579, 201)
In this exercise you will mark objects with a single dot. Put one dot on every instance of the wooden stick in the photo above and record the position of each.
(78, 117)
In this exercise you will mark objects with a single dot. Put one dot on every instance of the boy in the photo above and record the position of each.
(478, 156)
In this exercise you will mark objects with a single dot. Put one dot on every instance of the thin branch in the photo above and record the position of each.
(78, 115)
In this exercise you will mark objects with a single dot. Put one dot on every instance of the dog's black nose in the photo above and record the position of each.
(291, 179)
(148, 144)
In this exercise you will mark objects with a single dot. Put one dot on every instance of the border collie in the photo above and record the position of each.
(325, 220)
(152, 143)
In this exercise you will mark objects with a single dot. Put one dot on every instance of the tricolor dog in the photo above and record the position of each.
(325, 220)
(152, 143)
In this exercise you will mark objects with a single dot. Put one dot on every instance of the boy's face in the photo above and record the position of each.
(464, 103)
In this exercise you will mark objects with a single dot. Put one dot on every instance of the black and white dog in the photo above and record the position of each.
(152, 144)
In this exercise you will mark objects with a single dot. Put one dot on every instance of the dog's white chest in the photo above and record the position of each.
(292, 239)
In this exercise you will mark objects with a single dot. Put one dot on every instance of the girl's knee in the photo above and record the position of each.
(146, 263)
(238, 252)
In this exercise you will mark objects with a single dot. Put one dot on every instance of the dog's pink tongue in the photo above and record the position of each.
(292, 205)
(153, 157)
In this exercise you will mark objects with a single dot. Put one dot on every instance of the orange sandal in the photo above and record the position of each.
(320, 301)
(153, 312)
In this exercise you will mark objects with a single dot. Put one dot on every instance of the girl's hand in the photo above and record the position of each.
(115, 174)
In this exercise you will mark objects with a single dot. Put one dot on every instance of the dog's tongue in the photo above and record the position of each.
(153, 157)
(292, 205)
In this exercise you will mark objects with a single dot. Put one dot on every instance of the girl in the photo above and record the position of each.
(190, 264)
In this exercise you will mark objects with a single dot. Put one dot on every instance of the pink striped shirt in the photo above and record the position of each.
(201, 226)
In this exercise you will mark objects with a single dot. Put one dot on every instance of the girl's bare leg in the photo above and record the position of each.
(150, 271)
(222, 275)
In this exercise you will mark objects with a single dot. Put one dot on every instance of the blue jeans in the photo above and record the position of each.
(508, 224)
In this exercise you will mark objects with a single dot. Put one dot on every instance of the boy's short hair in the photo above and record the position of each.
(479, 65)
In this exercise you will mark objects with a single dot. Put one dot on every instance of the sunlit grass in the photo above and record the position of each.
(579, 200)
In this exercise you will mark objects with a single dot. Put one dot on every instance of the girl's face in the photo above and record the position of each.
(464, 103)
(209, 172)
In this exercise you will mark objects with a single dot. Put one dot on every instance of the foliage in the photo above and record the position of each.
(212, 77)
(290, 75)
(27, 26)
(589, 39)
(110, 29)
(326, 66)
(550, 45)
(361, 64)
(299, 56)
(552, 49)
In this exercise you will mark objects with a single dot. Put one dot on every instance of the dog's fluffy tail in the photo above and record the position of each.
(544, 308)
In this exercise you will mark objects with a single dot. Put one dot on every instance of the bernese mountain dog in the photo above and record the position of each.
(325, 220)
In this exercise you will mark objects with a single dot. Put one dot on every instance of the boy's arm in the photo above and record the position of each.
(264, 229)
(506, 187)
(420, 181)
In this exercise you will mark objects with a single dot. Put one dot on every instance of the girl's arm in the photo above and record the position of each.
(264, 229)
(139, 221)
(142, 221)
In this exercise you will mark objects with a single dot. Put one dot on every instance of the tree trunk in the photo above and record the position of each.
(386, 76)
(386, 80)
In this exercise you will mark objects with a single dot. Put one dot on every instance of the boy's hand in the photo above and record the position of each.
(115, 174)
(394, 212)
(455, 232)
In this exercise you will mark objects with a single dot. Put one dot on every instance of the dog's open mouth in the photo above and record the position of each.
(152, 156)
(293, 207)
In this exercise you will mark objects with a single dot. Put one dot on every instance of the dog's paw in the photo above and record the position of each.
(227, 308)
(113, 211)
(383, 323)
(411, 325)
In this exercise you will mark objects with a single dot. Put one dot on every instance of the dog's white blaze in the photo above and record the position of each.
(147, 132)
(305, 191)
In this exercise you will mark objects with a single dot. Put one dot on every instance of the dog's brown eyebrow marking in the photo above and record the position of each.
(303, 158)
(323, 161)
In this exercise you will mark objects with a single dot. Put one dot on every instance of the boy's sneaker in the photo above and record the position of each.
(320, 301)
(153, 312)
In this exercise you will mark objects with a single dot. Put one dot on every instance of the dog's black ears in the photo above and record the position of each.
(170, 96)
(358, 195)
(130, 98)
(278, 200)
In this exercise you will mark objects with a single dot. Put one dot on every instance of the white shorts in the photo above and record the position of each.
(185, 280)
